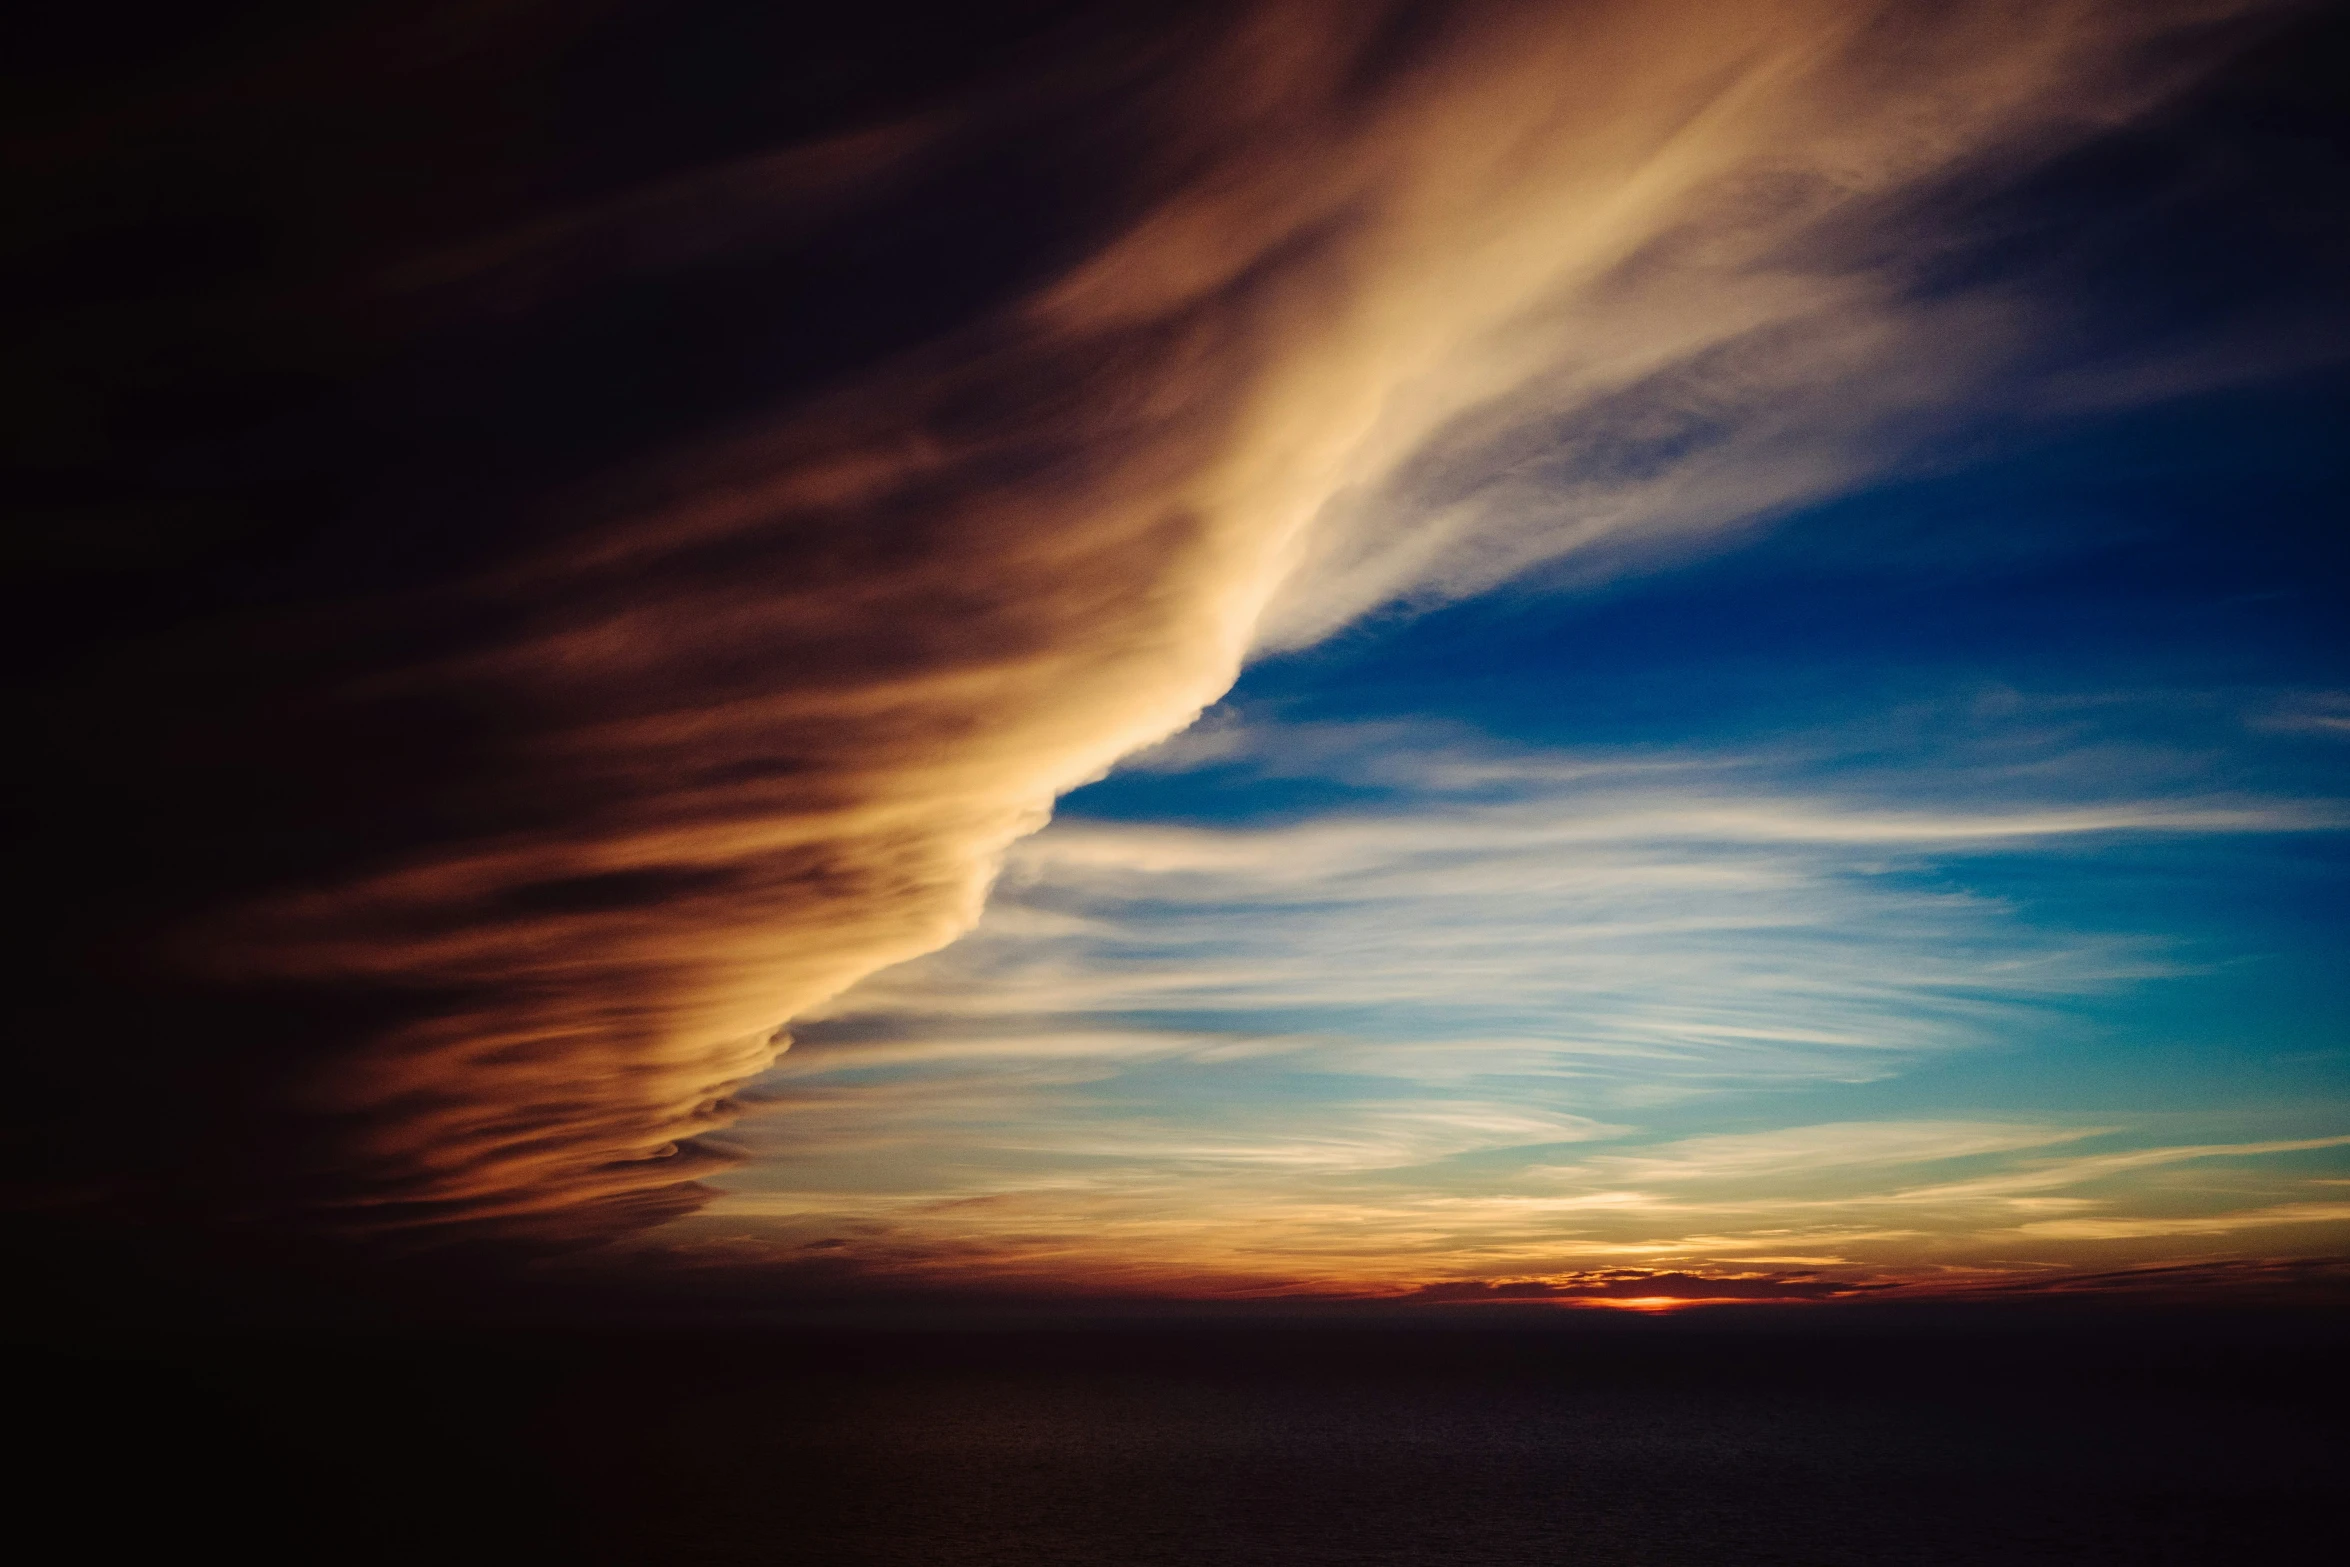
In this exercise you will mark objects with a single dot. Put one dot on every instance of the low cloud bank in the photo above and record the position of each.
(1643, 1288)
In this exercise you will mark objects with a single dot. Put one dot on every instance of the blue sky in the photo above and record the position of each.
(1940, 885)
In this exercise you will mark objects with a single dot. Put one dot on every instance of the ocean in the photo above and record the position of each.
(1186, 1445)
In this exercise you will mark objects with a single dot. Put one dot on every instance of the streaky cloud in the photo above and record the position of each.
(1374, 304)
(1460, 1025)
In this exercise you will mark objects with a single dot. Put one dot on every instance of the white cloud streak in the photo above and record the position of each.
(1447, 1036)
(1678, 909)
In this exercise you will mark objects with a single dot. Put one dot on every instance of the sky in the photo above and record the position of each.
(1277, 649)
(1927, 908)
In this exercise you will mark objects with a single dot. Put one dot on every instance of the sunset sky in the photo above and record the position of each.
(1602, 651)
(1944, 887)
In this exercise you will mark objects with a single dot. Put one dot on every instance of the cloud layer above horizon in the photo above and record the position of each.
(603, 733)
(1477, 1020)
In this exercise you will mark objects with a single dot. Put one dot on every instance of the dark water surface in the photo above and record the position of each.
(1182, 1446)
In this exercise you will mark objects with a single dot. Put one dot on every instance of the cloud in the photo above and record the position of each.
(1493, 1013)
(2015, 1186)
(1833, 1146)
(2314, 1280)
(525, 853)
(1033, 1148)
(1544, 910)
(1642, 1288)
(2200, 1224)
(2323, 713)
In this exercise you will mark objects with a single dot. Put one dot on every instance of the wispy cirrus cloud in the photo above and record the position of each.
(1673, 906)
(2199, 1224)
(1883, 1145)
(2322, 713)
(1471, 1026)
(1829, 1199)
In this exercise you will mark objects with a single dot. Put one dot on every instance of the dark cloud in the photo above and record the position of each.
(2310, 1281)
(2284, 1281)
(1630, 1285)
